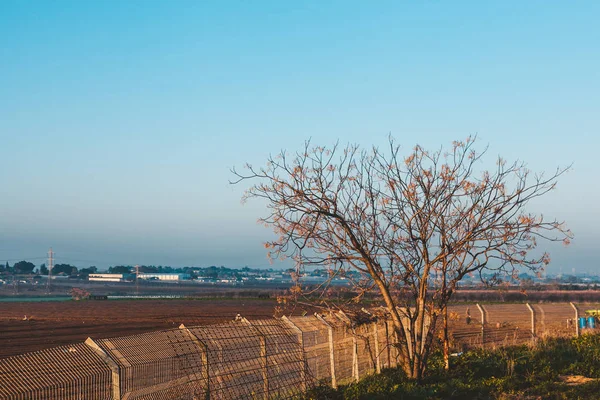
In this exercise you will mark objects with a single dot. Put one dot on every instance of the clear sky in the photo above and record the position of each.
(120, 120)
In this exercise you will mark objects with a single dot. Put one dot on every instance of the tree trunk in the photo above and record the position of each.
(414, 345)
(446, 341)
(402, 341)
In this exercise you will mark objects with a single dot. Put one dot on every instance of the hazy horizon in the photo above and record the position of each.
(120, 121)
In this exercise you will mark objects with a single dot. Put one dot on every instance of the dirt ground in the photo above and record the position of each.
(51, 324)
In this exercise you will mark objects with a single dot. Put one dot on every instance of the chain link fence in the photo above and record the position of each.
(262, 359)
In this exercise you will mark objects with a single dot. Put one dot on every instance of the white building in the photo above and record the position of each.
(110, 277)
(166, 277)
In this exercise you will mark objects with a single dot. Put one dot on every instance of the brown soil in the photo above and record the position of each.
(51, 324)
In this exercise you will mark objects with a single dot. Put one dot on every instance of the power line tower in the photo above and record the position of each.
(50, 266)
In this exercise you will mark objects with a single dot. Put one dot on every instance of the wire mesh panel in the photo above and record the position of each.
(158, 365)
(286, 368)
(73, 372)
(264, 359)
(343, 351)
(507, 325)
(464, 326)
(366, 349)
(258, 359)
(395, 350)
(385, 344)
(315, 337)
(554, 320)
(236, 360)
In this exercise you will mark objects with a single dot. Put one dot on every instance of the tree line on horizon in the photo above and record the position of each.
(27, 268)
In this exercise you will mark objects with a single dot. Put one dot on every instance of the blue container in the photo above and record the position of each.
(591, 322)
(582, 323)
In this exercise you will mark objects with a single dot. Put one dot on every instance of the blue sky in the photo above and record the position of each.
(120, 120)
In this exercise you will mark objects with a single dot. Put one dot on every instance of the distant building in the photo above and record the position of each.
(111, 277)
(166, 277)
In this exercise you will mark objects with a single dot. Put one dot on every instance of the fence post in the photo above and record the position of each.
(204, 356)
(344, 318)
(114, 368)
(331, 350)
(577, 333)
(303, 370)
(387, 344)
(532, 311)
(532, 322)
(377, 360)
(483, 321)
(355, 357)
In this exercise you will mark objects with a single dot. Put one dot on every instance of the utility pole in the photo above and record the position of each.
(50, 265)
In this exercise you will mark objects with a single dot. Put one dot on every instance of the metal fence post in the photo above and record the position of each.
(344, 318)
(377, 360)
(204, 355)
(577, 333)
(533, 336)
(116, 378)
(483, 321)
(355, 357)
(331, 350)
(387, 344)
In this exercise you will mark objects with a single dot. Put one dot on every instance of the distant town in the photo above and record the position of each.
(27, 272)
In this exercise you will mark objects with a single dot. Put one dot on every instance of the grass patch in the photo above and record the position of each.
(512, 373)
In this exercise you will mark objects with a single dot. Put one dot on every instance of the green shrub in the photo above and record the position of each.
(511, 373)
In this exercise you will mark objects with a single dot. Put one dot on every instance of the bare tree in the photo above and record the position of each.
(411, 227)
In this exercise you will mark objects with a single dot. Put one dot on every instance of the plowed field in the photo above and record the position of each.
(52, 324)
